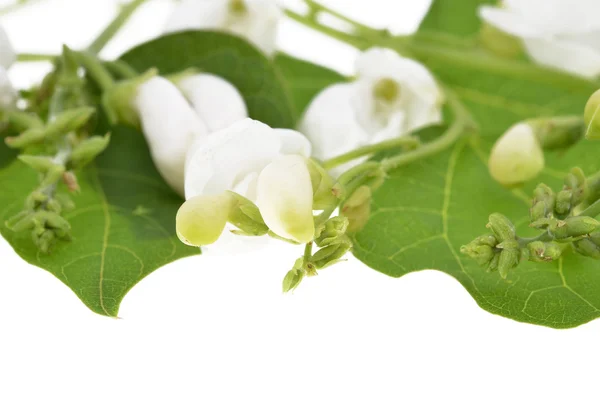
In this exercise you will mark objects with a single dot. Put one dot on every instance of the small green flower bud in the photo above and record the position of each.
(542, 223)
(12, 221)
(245, 215)
(540, 251)
(331, 254)
(544, 201)
(500, 43)
(69, 121)
(591, 116)
(53, 176)
(44, 241)
(29, 137)
(589, 246)
(26, 222)
(322, 184)
(493, 266)
(517, 156)
(65, 202)
(563, 202)
(88, 150)
(358, 209)
(118, 100)
(482, 254)
(509, 257)
(331, 231)
(576, 183)
(41, 164)
(502, 227)
(575, 226)
(202, 219)
(35, 199)
(21, 121)
(292, 280)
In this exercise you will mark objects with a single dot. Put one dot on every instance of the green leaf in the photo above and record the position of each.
(227, 56)
(304, 80)
(454, 17)
(123, 226)
(426, 211)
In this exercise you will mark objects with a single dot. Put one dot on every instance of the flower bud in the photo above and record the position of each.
(502, 227)
(358, 209)
(29, 137)
(509, 257)
(591, 116)
(331, 231)
(563, 202)
(202, 219)
(293, 278)
(589, 246)
(576, 183)
(544, 201)
(322, 184)
(575, 226)
(558, 132)
(245, 215)
(41, 164)
(540, 251)
(331, 254)
(44, 240)
(517, 156)
(21, 121)
(88, 150)
(69, 121)
(482, 254)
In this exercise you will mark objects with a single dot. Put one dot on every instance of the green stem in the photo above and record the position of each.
(463, 123)
(308, 251)
(113, 28)
(25, 57)
(316, 8)
(96, 70)
(121, 69)
(402, 142)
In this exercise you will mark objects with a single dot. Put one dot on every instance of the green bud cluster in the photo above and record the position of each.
(548, 205)
(54, 149)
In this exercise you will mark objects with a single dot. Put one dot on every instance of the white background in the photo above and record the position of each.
(219, 326)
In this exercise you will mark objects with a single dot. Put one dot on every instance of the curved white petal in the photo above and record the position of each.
(566, 55)
(170, 126)
(510, 22)
(223, 159)
(8, 94)
(330, 123)
(7, 52)
(263, 22)
(293, 142)
(218, 103)
(285, 198)
(590, 39)
(197, 14)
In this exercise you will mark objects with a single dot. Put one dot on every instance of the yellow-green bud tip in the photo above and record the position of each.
(202, 219)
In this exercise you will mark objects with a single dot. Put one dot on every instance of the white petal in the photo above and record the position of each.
(197, 14)
(293, 142)
(285, 198)
(566, 55)
(218, 103)
(264, 17)
(589, 39)
(170, 126)
(510, 22)
(226, 157)
(7, 52)
(8, 94)
(517, 156)
(330, 123)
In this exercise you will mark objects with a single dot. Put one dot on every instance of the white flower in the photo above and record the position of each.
(8, 94)
(254, 20)
(556, 33)
(267, 166)
(218, 103)
(517, 156)
(171, 124)
(392, 96)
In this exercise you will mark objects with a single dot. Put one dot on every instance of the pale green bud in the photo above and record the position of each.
(500, 43)
(245, 215)
(22, 121)
(540, 251)
(88, 150)
(202, 219)
(29, 137)
(66, 202)
(118, 100)
(331, 231)
(558, 132)
(517, 156)
(502, 227)
(589, 246)
(294, 277)
(331, 254)
(509, 257)
(493, 265)
(575, 226)
(563, 202)
(358, 209)
(591, 116)
(14, 220)
(322, 183)
(41, 164)
(69, 121)
(481, 253)
(544, 201)
(44, 241)
(576, 183)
